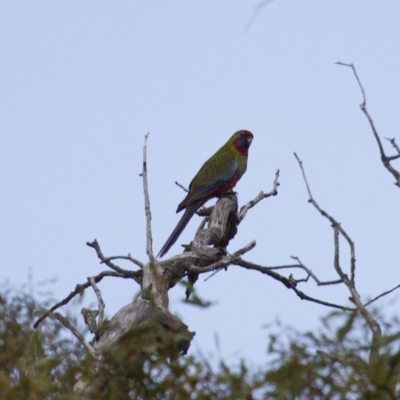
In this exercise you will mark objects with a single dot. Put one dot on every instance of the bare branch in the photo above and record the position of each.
(310, 273)
(358, 80)
(149, 236)
(385, 159)
(225, 262)
(336, 259)
(394, 144)
(181, 186)
(300, 265)
(257, 10)
(261, 196)
(350, 283)
(136, 275)
(64, 321)
(289, 283)
(79, 289)
(369, 319)
(99, 300)
(129, 258)
(297, 281)
(392, 158)
(332, 220)
(381, 295)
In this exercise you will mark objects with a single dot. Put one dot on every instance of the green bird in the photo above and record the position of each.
(218, 175)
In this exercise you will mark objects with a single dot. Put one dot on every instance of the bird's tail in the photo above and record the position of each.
(190, 210)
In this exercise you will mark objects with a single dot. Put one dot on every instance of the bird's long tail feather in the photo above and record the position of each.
(190, 210)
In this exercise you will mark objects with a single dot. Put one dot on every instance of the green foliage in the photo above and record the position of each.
(34, 364)
(332, 363)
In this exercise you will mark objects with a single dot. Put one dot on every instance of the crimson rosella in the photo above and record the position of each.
(217, 176)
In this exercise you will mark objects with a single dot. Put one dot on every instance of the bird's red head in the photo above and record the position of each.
(242, 140)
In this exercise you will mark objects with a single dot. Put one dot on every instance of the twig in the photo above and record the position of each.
(289, 283)
(129, 258)
(257, 10)
(225, 262)
(332, 220)
(261, 196)
(385, 159)
(300, 265)
(310, 273)
(99, 300)
(358, 80)
(381, 295)
(79, 289)
(64, 321)
(181, 186)
(135, 275)
(394, 144)
(297, 281)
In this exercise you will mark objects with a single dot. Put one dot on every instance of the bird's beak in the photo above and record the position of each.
(249, 139)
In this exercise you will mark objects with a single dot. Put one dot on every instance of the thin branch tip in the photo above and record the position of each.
(250, 204)
(149, 236)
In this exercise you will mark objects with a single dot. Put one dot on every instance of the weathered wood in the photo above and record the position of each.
(138, 316)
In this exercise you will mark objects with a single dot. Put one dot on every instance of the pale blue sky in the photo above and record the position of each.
(83, 82)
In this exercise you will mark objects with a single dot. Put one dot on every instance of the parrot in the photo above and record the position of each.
(218, 175)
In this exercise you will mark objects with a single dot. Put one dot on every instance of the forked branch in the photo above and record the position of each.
(386, 160)
(261, 196)
(350, 283)
(79, 290)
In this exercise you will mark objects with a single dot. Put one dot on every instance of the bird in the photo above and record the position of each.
(218, 175)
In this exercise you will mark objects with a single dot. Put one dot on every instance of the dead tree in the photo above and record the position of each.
(207, 253)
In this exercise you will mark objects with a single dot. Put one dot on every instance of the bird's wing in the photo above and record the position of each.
(209, 185)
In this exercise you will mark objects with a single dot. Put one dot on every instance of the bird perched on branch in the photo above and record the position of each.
(217, 176)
